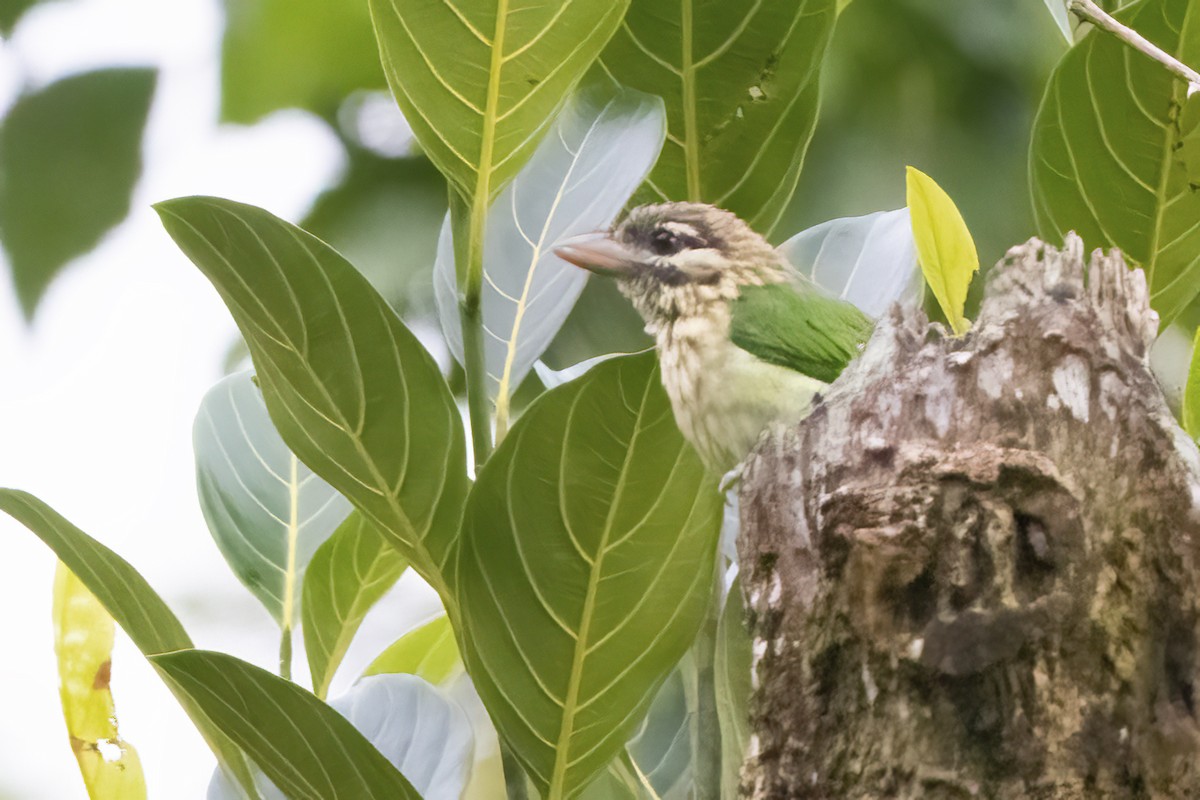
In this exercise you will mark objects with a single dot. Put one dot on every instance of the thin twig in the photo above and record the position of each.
(1088, 11)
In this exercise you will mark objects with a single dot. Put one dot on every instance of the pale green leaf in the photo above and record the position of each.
(733, 666)
(945, 248)
(306, 748)
(83, 640)
(267, 511)
(1109, 157)
(478, 80)
(70, 155)
(1062, 18)
(350, 389)
(130, 601)
(429, 651)
(599, 150)
(588, 552)
(742, 86)
(870, 261)
(346, 577)
(661, 750)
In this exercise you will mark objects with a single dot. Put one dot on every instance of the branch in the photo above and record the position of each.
(971, 572)
(1088, 11)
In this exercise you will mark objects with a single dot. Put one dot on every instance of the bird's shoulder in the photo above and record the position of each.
(795, 324)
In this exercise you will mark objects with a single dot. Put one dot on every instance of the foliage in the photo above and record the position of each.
(576, 571)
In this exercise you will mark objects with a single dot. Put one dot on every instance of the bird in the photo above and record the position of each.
(745, 341)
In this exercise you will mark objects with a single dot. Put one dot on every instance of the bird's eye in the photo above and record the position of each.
(664, 242)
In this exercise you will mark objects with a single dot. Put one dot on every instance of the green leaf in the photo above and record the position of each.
(83, 641)
(11, 11)
(588, 551)
(1191, 392)
(661, 751)
(1109, 152)
(308, 54)
(945, 248)
(306, 748)
(870, 261)
(601, 148)
(346, 577)
(350, 389)
(741, 83)
(70, 155)
(1058, 10)
(733, 666)
(130, 601)
(428, 651)
(478, 80)
(267, 512)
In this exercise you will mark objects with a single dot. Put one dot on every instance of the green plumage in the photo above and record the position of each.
(799, 328)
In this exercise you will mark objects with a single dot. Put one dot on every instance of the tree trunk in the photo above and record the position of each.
(971, 571)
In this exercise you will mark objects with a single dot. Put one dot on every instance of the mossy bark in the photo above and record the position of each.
(971, 572)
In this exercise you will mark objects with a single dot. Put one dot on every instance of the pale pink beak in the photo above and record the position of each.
(597, 252)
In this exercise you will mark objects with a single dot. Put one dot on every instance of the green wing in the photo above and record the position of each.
(799, 328)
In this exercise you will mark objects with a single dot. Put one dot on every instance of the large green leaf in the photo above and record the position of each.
(741, 82)
(306, 748)
(346, 577)
(267, 512)
(588, 552)
(478, 80)
(601, 148)
(70, 155)
(1108, 158)
(305, 53)
(130, 601)
(733, 666)
(349, 388)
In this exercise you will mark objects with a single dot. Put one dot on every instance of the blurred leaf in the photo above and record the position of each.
(127, 597)
(661, 750)
(478, 81)
(350, 389)
(70, 155)
(1191, 392)
(733, 666)
(597, 525)
(871, 261)
(346, 577)
(428, 651)
(384, 217)
(944, 246)
(305, 747)
(1108, 158)
(1058, 10)
(11, 11)
(83, 640)
(602, 322)
(741, 84)
(417, 728)
(267, 512)
(599, 150)
(307, 54)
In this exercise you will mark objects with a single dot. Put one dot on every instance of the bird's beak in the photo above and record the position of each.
(597, 252)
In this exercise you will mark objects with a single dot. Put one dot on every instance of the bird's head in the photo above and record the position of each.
(677, 260)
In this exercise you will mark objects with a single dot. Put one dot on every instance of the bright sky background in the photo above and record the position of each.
(98, 396)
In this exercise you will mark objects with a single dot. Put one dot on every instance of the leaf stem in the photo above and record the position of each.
(1088, 11)
(285, 653)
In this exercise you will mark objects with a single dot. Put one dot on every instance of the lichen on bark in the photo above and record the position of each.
(970, 572)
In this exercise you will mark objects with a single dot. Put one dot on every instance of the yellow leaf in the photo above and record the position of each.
(944, 246)
(83, 639)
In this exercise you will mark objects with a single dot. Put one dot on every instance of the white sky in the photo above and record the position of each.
(97, 398)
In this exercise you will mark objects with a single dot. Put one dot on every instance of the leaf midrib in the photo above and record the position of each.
(561, 761)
